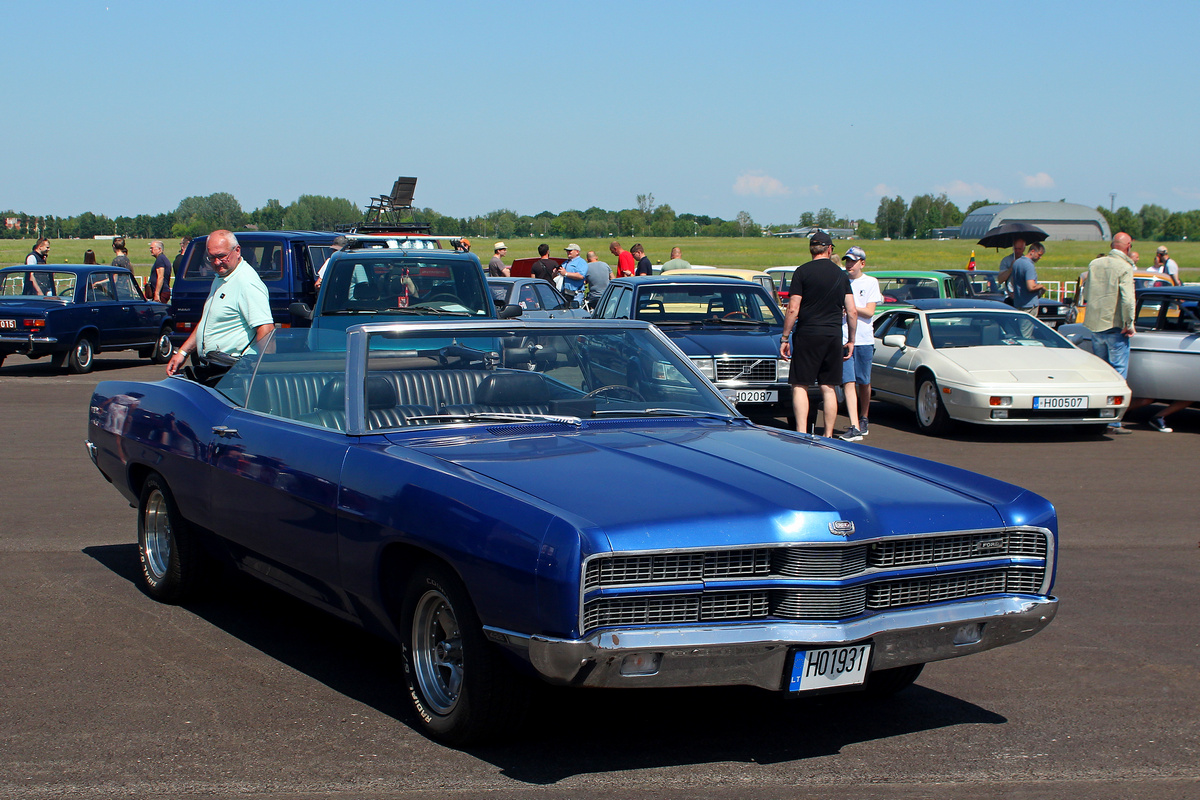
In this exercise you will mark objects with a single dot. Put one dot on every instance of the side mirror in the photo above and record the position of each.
(510, 311)
(301, 310)
(894, 340)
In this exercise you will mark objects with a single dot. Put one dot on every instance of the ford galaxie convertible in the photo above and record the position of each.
(509, 500)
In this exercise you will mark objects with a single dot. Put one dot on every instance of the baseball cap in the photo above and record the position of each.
(572, 246)
(500, 246)
(821, 238)
(1162, 248)
(855, 254)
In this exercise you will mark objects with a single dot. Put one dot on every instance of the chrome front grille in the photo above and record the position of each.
(746, 369)
(676, 567)
(702, 591)
(960, 547)
(675, 609)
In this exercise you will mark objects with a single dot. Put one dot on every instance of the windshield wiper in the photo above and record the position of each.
(665, 412)
(500, 416)
(339, 311)
(736, 321)
(424, 310)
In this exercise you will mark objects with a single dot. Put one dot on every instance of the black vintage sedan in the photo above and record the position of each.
(72, 312)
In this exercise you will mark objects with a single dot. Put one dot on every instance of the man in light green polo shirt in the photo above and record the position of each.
(237, 311)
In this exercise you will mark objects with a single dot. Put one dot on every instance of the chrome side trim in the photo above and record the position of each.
(756, 654)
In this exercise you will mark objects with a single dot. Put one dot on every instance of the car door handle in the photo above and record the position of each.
(225, 432)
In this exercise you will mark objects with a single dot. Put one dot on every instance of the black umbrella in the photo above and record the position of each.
(1003, 235)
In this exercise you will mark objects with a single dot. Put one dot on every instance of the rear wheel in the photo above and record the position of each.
(81, 357)
(163, 348)
(459, 685)
(932, 418)
(171, 563)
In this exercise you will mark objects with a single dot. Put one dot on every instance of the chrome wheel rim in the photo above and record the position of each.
(437, 652)
(156, 524)
(927, 403)
(164, 346)
(83, 352)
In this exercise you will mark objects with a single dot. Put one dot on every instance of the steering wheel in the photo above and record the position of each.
(616, 390)
(442, 296)
(736, 315)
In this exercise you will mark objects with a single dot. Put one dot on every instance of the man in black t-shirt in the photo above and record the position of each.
(545, 267)
(817, 300)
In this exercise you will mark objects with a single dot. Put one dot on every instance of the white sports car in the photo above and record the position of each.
(985, 362)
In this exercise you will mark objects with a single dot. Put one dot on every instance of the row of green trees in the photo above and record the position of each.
(199, 215)
(1154, 223)
(194, 216)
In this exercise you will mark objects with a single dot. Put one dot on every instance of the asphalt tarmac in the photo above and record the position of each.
(106, 693)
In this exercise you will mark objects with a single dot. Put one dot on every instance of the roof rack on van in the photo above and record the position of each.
(367, 241)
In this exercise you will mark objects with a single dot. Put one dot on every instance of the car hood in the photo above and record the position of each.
(1016, 364)
(740, 484)
(718, 340)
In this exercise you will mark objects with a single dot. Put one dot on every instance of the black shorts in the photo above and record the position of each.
(816, 357)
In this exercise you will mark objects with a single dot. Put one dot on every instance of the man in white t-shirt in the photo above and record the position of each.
(1163, 263)
(856, 371)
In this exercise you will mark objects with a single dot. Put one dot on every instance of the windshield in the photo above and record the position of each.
(366, 283)
(664, 305)
(896, 290)
(39, 283)
(492, 376)
(991, 328)
(265, 257)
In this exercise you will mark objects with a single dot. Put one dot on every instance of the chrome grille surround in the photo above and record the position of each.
(811, 581)
(746, 369)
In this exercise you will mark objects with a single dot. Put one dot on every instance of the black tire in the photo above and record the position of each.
(82, 356)
(887, 682)
(460, 686)
(161, 353)
(932, 418)
(172, 566)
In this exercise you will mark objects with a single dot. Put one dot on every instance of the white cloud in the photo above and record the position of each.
(969, 191)
(1187, 194)
(1039, 181)
(882, 190)
(759, 184)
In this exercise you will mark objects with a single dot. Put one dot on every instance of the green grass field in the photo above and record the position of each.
(1063, 260)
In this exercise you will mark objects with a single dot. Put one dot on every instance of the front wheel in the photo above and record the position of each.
(171, 563)
(163, 348)
(81, 357)
(459, 685)
(932, 418)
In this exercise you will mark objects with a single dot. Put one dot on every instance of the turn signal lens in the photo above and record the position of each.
(641, 663)
(1116, 400)
(34, 323)
(999, 401)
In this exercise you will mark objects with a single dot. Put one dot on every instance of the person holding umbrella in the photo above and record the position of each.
(1016, 235)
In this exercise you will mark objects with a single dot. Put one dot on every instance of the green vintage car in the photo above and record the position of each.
(900, 286)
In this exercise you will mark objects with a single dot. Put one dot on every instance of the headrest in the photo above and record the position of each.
(512, 389)
(381, 393)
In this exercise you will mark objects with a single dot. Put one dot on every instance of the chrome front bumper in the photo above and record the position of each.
(757, 654)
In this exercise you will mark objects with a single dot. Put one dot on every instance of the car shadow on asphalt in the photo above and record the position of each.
(42, 367)
(607, 730)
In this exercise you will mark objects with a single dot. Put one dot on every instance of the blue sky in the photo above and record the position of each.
(122, 107)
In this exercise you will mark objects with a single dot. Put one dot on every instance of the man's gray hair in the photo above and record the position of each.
(1038, 247)
(157, 243)
(228, 236)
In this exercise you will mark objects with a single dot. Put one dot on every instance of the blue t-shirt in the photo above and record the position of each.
(1024, 270)
(572, 285)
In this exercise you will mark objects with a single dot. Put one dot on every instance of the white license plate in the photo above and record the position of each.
(1059, 402)
(8, 323)
(756, 396)
(829, 667)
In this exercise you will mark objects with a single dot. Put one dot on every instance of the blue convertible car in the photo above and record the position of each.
(501, 500)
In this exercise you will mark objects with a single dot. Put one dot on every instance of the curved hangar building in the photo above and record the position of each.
(1062, 221)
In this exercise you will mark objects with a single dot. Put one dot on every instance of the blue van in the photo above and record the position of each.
(287, 262)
